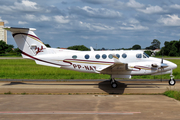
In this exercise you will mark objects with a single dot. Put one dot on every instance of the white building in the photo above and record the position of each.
(3, 33)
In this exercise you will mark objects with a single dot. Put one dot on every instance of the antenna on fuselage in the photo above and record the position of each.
(91, 48)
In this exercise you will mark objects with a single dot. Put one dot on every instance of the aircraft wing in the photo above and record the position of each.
(114, 68)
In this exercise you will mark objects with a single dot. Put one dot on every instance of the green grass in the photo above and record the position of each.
(8, 93)
(173, 94)
(28, 69)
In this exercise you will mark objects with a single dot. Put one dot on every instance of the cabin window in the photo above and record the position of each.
(104, 56)
(97, 56)
(124, 55)
(86, 56)
(110, 56)
(117, 55)
(74, 56)
(139, 55)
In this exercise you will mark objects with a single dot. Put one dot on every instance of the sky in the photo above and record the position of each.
(110, 24)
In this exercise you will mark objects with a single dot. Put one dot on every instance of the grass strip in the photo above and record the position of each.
(173, 94)
(28, 69)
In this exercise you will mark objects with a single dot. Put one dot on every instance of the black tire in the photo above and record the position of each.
(114, 85)
(172, 82)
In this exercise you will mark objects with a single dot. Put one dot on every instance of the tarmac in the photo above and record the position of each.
(86, 87)
(88, 100)
(88, 107)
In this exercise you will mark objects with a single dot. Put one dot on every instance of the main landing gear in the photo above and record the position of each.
(113, 83)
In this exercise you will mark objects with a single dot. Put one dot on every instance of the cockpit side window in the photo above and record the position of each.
(145, 55)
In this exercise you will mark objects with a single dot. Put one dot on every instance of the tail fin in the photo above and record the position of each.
(27, 41)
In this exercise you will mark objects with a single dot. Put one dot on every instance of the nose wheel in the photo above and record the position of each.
(172, 82)
(113, 83)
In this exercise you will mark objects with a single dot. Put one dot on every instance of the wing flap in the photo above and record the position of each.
(116, 67)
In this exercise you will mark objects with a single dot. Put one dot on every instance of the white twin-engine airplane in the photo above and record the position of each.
(118, 64)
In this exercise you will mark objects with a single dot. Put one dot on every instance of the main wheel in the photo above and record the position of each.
(172, 82)
(114, 85)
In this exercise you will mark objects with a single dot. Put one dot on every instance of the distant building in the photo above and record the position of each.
(3, 33)
(157, 50)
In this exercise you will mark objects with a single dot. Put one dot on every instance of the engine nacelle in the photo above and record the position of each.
(155, 65)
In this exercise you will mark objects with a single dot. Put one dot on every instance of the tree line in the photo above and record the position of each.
(171, 48)
(8, 50)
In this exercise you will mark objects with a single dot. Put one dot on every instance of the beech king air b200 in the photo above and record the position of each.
(117, 64)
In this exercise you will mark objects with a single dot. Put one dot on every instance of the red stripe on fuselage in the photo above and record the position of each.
(89, 61)
(44, 60)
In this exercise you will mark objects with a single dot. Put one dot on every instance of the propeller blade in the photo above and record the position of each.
(162, 57)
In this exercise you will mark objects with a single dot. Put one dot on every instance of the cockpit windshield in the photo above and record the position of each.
(145, 55)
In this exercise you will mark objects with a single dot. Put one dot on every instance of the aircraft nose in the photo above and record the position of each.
(173, 65)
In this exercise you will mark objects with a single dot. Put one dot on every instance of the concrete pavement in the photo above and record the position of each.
(88, 107)
(87, 87)
(93, 101)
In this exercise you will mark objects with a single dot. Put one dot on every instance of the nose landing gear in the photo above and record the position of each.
(172, 81)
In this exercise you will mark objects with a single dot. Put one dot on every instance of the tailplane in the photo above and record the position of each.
(27, 41)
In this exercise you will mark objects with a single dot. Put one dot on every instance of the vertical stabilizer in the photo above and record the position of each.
(27, 41)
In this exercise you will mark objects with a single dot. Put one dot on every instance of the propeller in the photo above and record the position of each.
(163, 65)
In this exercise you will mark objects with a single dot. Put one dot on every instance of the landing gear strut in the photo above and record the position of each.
(113, 83)
(172, 81)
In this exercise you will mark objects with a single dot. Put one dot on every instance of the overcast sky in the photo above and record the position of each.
(107, 23)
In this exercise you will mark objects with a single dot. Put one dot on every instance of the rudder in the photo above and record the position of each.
(27, 41)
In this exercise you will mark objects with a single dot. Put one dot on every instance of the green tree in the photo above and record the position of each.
(173, 51)
(136, 47)
(5, 47)
(155, 44)
(17, 51)
(47, 45)
(78, 47)
(171, 48)
(9, 48)
(103, 48)
(166, 48)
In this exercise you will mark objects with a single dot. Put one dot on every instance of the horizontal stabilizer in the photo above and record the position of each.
(17, 30)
